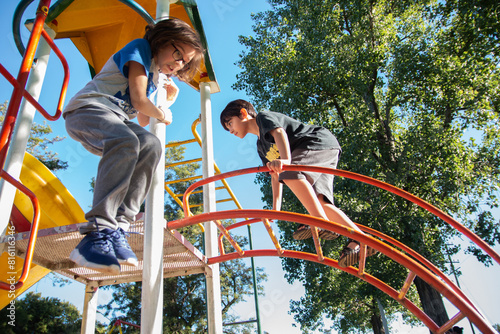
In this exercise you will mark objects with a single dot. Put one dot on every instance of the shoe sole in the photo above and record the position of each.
(353, 257)
(307, 233)
(328, 235)
(76, 257)
(129, 262)
(302, 234)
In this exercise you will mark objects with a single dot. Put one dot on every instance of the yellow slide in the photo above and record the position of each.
(57, 208)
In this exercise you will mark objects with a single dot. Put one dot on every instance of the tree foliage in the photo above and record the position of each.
(184, 309)
(37, 314)
(411, 90)
(39, 142)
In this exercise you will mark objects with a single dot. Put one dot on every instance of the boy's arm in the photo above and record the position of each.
(277, 191)
(138, 81)
(276, 166)
(281, 140)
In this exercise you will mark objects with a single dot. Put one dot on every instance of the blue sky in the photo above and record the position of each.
(224, 21)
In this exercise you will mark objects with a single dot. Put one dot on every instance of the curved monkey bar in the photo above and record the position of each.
(414, 262)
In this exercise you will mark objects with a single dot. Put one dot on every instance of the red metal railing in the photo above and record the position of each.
(417, 264)
(118, 324)
(365, 179)
(11, 117)
(445, 288)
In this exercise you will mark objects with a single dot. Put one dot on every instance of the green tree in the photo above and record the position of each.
(184, 306)
(39, 142)
(37, 314)
(411, 89)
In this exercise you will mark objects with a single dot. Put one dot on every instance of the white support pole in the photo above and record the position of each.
(382, 315)
(162, 9)
(209, 205)
(89, 315)
(152, 274)
(21, 134)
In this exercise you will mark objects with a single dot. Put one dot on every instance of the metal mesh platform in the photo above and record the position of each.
(54, 245)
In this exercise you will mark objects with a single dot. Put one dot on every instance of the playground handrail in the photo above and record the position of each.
(11, 116)
(447, 288)
(54, 12)
(358, 177)
(29, 97)
(420, 262)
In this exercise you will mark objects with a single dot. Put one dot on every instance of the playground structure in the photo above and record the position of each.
(44, 212)
(118, 326)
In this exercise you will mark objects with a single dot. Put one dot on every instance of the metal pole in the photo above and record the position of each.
(152, 275)
(456, 279)
(214, 300)
(255, 288)
(382, 315)
(89, 315)
(162, 9)
(21, 134)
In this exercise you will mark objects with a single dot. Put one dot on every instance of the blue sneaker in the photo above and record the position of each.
(96, 251)
(123, 252)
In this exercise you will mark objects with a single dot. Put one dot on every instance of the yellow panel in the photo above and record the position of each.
(36, 274)
(103, 43)
(99, 28)
(57, 208)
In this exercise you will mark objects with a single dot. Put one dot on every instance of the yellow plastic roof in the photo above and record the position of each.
(99, 28)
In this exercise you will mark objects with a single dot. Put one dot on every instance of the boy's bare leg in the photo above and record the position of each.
(318, 207)
(306, 195)
(336, 215)
(350, 254)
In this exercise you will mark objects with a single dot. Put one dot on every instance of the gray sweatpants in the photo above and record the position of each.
(129, 156)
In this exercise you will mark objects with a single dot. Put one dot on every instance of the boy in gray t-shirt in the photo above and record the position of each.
(283, 140)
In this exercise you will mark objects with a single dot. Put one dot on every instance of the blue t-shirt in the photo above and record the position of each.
(109, 89)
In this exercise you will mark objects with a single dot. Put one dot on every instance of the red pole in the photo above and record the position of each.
(22, 78)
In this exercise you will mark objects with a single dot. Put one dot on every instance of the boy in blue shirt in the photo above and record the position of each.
(283, 140)
(99, 117)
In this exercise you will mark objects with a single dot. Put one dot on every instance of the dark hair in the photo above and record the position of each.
(171, 31)
(233, 108)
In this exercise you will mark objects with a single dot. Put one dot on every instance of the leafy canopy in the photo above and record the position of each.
(411, 90)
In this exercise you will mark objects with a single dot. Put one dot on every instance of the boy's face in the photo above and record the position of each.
(237, 126)
(174, 57)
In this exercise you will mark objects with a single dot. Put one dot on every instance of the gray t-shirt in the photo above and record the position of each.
(300, 135)
(110, 90)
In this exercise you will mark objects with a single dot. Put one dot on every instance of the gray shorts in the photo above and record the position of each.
(321, 183)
